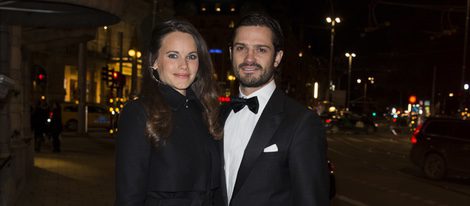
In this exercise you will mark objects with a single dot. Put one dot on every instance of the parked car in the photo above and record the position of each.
(330, 121)
(441, 147)
(349, 122)
(98, 116)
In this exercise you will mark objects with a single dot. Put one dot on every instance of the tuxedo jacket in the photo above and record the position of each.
(295, 175)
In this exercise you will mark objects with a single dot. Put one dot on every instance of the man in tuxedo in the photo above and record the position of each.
(274, 149)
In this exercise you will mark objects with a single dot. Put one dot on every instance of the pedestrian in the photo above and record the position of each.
(38, 124)
(274, 148)
(55, 126)
(167, 153)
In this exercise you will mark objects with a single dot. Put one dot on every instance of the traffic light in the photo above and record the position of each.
(104, 73)
(40, 76)
(107, 75)
(118, 79)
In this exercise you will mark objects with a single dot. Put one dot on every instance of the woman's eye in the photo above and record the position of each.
(192, 57)
(172, 56)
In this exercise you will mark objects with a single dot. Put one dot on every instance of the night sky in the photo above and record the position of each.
(399, 42)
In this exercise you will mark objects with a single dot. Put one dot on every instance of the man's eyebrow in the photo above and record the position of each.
(256, 45)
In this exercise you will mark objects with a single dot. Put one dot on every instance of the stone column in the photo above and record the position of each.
(82, 124)
(15, 118)
(55, 78)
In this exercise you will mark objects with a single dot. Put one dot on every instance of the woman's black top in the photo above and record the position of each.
(183, 171)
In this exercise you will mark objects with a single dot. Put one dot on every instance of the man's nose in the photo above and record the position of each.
(250, 56)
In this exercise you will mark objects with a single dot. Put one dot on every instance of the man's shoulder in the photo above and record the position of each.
(292, 105)
(295, 109)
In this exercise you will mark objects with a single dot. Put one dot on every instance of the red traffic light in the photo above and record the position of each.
(115, 75)
(41, 76)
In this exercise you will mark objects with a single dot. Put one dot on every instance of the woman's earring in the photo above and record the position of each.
(154, 74)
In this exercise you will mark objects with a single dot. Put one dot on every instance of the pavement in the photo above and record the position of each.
(82, 174)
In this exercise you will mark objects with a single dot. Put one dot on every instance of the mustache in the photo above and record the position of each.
(252, 64)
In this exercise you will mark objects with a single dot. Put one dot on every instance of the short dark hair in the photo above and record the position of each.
(258, 19)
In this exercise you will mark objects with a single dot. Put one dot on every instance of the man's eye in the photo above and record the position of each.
(239, 48)
(192, 57)
(262, 50)
(172, 56)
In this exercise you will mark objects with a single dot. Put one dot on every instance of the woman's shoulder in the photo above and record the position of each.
(134, 107)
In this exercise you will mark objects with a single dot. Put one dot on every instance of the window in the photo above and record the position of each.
(463, 130)
(96, 109)
(440, 128)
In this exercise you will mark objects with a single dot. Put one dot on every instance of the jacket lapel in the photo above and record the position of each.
(262, 134)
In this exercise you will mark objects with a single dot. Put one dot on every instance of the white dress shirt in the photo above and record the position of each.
(237, 132)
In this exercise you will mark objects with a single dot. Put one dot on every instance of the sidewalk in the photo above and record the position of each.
(82, 174)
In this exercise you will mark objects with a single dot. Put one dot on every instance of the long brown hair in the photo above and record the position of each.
(158, 126)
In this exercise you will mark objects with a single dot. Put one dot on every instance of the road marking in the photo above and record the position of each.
(353, 139)
(340, 153)
(373, 140)
(350, 201)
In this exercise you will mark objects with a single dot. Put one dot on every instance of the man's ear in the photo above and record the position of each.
(230, 52)
(278, 58)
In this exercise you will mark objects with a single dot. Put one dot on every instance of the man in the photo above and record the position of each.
(274, 152)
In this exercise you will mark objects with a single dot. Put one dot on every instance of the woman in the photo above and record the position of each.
(166, 144)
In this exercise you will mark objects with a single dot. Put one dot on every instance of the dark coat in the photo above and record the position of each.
(183, 171)
(296, 175)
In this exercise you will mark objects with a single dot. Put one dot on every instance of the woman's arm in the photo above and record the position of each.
(132, 156)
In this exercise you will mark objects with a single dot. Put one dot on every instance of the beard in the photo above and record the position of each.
(250, 80)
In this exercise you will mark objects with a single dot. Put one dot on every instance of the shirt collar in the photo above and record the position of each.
(263, 94)
(175, 99)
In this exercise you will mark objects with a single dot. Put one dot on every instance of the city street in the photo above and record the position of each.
(82, 174)
(374, 169)
(371, 169)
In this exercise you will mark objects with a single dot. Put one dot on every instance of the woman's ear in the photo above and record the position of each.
(155, 65)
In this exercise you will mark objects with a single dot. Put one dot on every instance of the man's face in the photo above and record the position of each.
(253, 56)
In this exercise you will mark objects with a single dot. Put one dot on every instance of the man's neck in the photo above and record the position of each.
(247, 91)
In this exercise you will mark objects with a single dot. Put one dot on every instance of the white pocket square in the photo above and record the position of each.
(272, 148)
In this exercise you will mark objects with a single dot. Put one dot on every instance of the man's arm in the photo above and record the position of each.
(308, 163)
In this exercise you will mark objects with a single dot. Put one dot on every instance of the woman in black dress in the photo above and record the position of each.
(167, 152)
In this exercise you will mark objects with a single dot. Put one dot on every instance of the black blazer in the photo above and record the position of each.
(183, 171)
(296, 175)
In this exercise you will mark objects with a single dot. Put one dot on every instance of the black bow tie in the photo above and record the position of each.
(238, 103)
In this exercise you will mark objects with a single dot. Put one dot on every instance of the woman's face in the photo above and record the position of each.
(177, 62)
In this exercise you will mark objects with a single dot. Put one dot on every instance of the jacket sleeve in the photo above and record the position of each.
(132, 156)
(308, 163)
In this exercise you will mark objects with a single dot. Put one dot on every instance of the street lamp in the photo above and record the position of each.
(372, 81)
(349, 56)
(135, 55)
(332, 22)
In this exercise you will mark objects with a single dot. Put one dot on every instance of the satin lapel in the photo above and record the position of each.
(262, 134)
